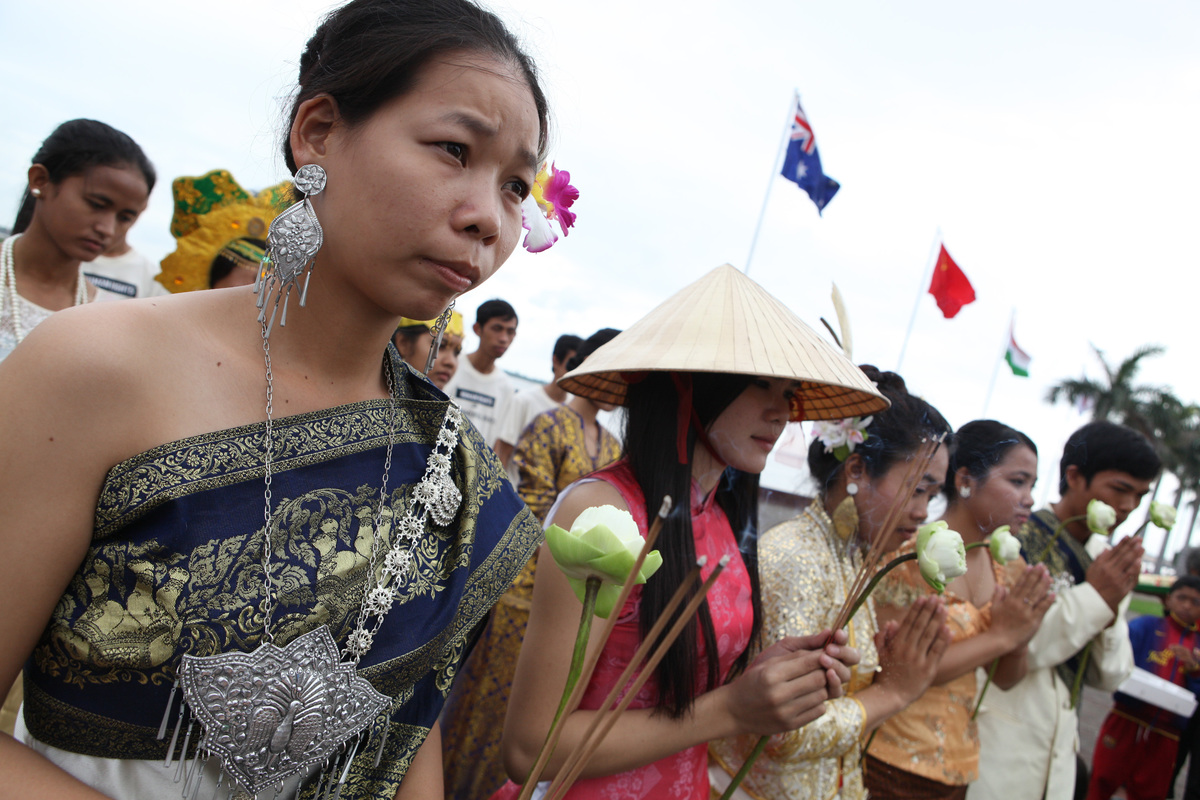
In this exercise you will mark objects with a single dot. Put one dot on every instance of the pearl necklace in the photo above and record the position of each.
(8, 286)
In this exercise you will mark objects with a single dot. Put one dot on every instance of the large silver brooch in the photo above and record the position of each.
(278, 711)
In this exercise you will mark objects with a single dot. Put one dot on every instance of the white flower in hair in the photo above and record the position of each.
(841, 436)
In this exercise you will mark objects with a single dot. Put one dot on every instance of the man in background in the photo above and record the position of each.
(529, 403)
(1028, 734)
(479, 387)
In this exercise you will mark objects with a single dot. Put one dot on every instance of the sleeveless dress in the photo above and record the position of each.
(550, 455)
(174, 567)
(683, 775)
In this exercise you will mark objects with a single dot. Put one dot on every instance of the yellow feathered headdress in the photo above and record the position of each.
(211, 212)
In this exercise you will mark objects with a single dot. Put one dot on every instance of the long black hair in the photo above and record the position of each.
(650, 447)
(75, 147)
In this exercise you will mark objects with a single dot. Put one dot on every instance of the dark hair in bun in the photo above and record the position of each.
(590, 345)
(979, 446)
(892, 436)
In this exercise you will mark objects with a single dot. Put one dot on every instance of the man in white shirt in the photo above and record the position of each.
(1029, 734)
(533, 401)
(479, 387)
(125, 271)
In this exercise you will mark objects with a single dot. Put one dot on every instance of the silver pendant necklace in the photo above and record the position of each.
(278, 712)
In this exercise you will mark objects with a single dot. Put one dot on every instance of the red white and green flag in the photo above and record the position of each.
(1018, 360)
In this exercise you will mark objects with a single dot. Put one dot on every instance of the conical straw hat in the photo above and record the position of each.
(726, 322)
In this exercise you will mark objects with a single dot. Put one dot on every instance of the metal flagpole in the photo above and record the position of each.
(921, 289)
(987, 400)
(787, 132)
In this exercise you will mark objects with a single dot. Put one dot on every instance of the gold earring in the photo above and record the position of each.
(845, 519)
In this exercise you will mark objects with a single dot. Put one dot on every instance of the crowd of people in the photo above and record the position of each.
(271, 534)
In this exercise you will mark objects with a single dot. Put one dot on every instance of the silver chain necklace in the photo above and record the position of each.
(276, 713)
(8, 286)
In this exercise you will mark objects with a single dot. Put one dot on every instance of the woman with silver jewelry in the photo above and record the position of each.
(87, 185)
(242, 539)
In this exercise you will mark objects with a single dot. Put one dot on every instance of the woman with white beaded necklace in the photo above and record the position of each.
(87, 185)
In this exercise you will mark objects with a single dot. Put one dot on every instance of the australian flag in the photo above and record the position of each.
(802, 163)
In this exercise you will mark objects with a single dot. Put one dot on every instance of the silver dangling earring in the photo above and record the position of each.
(964, 492)
(293, 240)
(852, 488)
(449, 498)
(439, 328)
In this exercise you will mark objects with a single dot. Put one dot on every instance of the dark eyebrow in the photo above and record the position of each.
(481, 128)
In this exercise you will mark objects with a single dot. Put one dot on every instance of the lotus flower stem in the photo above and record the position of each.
(741, 773)
(585, 750)
(638, 657)
(577, 681)
(591, 591)
(1077, 684)
(1062, 526)
(991, 674)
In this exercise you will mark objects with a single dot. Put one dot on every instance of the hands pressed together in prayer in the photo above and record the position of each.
(786, 686)
(1115, 572)
(1017, 611)
(909, 650)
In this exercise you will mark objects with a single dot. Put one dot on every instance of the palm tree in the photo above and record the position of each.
(1154, 411)
(1144, 408)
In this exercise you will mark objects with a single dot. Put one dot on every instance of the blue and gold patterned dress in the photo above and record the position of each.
(175, 567)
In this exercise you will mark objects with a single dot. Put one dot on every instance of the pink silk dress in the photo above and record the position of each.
(683, 775)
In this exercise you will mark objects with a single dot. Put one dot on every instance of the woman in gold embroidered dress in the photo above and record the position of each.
(806, 566)
(140, 457)
(558, 448)
(931, 749)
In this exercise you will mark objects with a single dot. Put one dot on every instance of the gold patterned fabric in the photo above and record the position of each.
(551, 455)
(175, 567)
(935, 737)
(805, 571)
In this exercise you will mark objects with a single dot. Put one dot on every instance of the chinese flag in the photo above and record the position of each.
(950, 286)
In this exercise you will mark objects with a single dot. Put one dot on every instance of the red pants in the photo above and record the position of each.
(1134, 756)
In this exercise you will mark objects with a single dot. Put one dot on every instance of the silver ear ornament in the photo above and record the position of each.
(293, 240)
(439, 328)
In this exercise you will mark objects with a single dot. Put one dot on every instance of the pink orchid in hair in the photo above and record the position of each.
(550, 199)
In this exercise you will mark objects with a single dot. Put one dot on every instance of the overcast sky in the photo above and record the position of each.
(1052, 143)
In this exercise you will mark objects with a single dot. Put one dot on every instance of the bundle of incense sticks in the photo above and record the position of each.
(912, 476)
(589, 666)
(603, 721)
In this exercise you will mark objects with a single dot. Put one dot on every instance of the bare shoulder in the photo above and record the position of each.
(578, 496)
(94, 371)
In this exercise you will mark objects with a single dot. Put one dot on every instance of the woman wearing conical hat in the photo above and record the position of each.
(708, 379)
